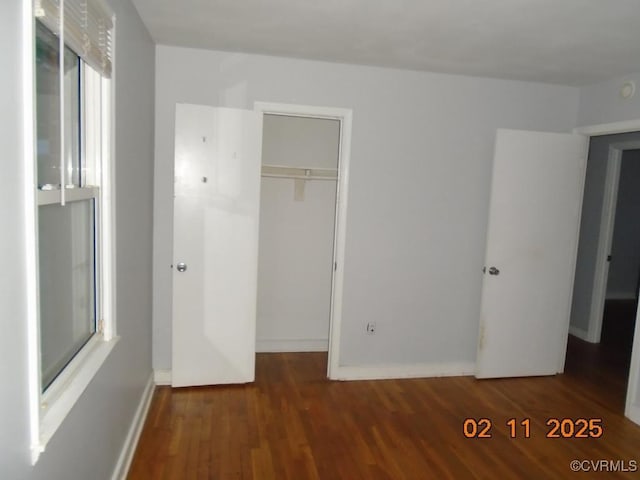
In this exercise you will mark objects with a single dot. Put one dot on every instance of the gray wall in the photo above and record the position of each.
(295, 259)
(602, 103)
(89, 441)
(419, 187)
(625, 249)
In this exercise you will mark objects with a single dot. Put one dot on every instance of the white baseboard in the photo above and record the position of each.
(162, 377)
(579, 332)
(382, 372)
(131, 442)
(373, 372)
(292, 345)
(633, 414)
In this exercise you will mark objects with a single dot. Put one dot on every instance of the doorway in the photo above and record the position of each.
(621, 292)
(305, 164)
(297, 219)
(604, 306)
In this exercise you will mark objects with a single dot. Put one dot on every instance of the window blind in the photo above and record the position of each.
(87, 28)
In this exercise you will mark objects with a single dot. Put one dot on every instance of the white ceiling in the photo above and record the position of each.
(573, 42)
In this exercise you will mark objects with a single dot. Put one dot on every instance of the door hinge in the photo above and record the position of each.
(608, 258)
(335, 266)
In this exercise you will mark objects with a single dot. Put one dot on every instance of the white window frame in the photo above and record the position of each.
(49, 409)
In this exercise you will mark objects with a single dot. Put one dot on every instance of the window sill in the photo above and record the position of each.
(61, 396)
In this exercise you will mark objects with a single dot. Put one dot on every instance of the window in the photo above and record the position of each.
(75, 325)
(66, 231)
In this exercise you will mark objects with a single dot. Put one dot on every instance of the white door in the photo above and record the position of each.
(532, 238)
(215, 244)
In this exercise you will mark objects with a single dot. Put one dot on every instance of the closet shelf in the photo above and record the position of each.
(299, 173)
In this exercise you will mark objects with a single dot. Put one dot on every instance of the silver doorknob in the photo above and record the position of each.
(494, 271)
(181, 267)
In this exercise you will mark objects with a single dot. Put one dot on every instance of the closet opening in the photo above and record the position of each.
(302, 206)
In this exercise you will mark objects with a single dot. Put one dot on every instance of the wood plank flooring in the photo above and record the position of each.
(292, 423)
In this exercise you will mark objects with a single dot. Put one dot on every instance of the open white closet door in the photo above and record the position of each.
(215, 244)
(534, 218)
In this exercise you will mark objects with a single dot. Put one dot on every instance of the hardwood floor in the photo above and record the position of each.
(292, 423)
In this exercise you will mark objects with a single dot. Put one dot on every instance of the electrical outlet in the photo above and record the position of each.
(371, 328)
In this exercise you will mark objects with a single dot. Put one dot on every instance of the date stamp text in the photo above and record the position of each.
(521, 428)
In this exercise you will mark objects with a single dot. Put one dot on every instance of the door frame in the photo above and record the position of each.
(632, 405)
(344, 116)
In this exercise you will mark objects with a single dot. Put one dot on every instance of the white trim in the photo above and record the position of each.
(605, 237)
(292, 345)
(57, 402)
(108, 205)
(632, 412)
(133, 436)
(294, 110)
(581, 333)
(418, 370)
(376, 372)
(62, 93)
(632, 404)
(609, 128)
(30, 224)
(345, 116)
(162, 377)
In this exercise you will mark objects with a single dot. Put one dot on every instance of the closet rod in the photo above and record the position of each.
(278, 171)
